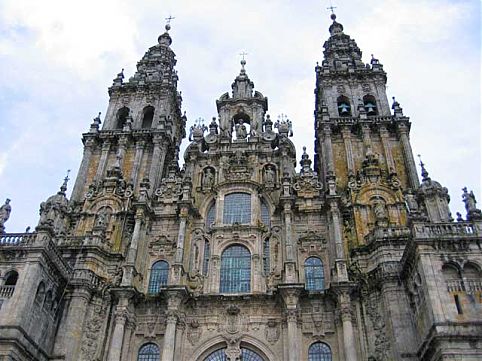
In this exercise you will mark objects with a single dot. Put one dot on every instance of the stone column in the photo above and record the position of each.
(137, 161)
(346, 134)
(328, 150)
(408, 156)
(103, 159)
(169, 337)
(71, 328)
(178, 267)
(340, 262)
(290, 297)
(290, 261)
(157, 163)
(367, 141)
(122, 315)
(115, 349)
(132, 252)
(348, 334)
(122, 148)
(174, 299)
(387, 148)
(84, 167)
(129, 331)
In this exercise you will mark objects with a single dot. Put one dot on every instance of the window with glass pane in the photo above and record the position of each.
(237, 208)
(149, 352)
(235, 270)
(246, 355)
(265, 214)
(314, 274)
(211, 216)
(207, 255)
(159, 274)
(266, 256)
(319, 351)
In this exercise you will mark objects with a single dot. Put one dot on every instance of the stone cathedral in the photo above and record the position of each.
(237, 255)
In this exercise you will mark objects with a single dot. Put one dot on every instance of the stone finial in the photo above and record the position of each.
(94, 127)
(63, 187)
(397, 110)
(119, 79)
(425, 176)
(165, 39)
(305, 162)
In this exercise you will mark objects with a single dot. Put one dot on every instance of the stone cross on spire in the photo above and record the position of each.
(243, 61)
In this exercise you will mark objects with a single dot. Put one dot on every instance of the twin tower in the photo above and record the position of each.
(239, 256)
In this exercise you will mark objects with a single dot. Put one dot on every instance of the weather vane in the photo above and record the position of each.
(243, 54)
(331, 7)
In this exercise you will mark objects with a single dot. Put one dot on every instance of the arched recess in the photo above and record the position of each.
(219, 343)
(314, 274)
(121, 117)
(319, 351)
(40, 295)
(158, 277)
(147, 117)
(11, 278)
(149, 352)
(343, 106)
(370, 104)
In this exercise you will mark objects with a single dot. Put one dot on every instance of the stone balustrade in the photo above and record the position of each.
(17, 239)
(466, 285)
(6, 291)
(448, 229)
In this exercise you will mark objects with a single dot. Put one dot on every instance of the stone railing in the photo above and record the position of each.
(16, 239)
(467, 285)
(449, 230)
(384, 233)
(356, 120)
(6, 291)
(87, 277)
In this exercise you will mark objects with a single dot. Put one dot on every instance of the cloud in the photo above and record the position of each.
(60, 57)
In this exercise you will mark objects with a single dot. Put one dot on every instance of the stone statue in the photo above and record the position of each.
(469, 200)
(411, 201)
(380, 210)
(208, 178)
(241, 132)
(269, 175)
(5, 211)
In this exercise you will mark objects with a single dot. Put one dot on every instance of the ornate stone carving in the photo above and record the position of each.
(238, 167)
(272, 331)
(92, 333)
(194, 332)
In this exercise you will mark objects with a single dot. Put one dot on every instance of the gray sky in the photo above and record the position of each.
(58, 57)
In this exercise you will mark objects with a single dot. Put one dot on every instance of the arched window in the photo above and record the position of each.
(265, 218)
(344, 108)
(237, 208)
(235, 270)
(211, 216)
(149, 352)
(11, 278)
(40, 295)
(148, 117)
(319, 351)
(314, 274)
(370, 105)
(266, 255)
(206, 258)
(159, 274)
(246, 355)
(122, 115)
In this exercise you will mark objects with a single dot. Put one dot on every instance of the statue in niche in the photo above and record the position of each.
(380, 211)
(241, 131)
(208, 178)
(411, 201)
(103, 218)
(5, 211)
(269, 176)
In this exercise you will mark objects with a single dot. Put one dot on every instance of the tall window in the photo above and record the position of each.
(122, 115)
(211, 216)
(237, 208)
(207, 256)
(148, 117)
(314, 274)
(39, 297)
(235, 270)
(149, 352)
(159, 274)
(266, 255)
(11, 278)
(265, 214)
(246, 355)
(319, 351)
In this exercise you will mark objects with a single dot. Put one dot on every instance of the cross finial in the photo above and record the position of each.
(169, 19)
(332, 9)
(243, 54)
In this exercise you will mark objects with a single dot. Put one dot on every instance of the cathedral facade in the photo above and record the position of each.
(237, 255)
